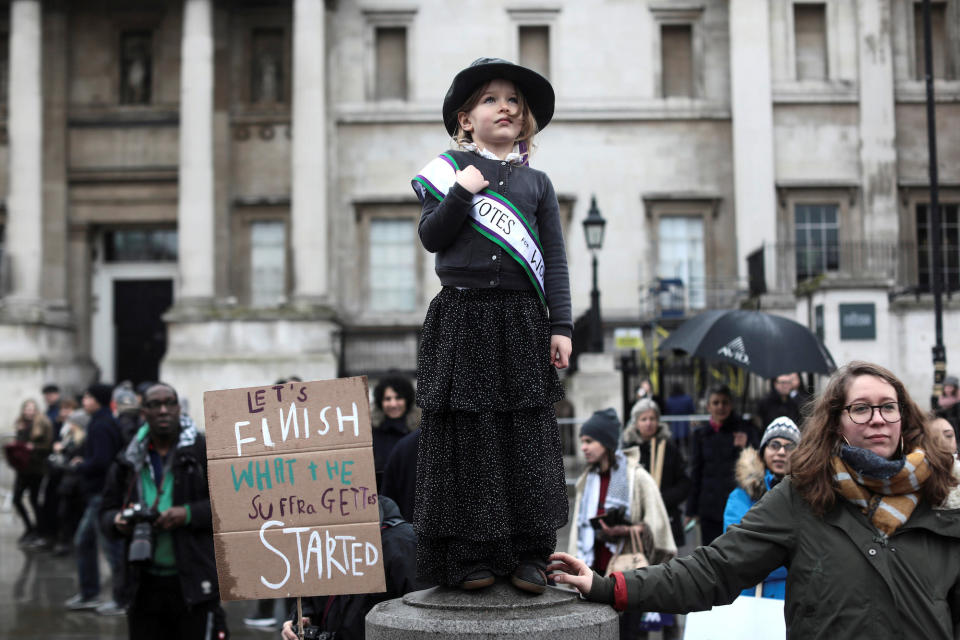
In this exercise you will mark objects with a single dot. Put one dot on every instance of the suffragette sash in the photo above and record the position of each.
(491, 214)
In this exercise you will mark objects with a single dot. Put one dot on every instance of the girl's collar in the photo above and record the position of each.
(519, 154)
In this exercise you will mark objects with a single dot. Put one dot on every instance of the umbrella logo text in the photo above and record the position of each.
(735, 351)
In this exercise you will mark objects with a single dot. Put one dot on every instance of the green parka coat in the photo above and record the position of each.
(844, 579)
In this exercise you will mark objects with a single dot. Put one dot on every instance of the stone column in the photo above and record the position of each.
(751, 105)
(878, 131)
(195, 219)
(24, 238)
(308, 212)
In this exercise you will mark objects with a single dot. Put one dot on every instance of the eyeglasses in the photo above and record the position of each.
(776, 445)
(169, 403)
(862, 413)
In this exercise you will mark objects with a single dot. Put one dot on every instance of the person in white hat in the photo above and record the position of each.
(757, 472)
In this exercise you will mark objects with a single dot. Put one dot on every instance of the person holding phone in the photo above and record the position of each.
(613, 493)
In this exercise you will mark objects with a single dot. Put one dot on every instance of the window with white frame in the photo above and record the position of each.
(949, 247)
(680, 254)
(392, 266)
(268, 257)
(817, 239)
(810, 38)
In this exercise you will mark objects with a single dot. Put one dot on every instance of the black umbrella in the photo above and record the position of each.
(762, 343)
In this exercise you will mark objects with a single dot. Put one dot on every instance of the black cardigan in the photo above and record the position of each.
(466, 259)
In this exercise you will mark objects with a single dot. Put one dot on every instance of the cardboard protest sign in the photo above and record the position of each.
(293, 490)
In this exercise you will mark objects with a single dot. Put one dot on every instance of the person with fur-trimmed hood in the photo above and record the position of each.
(757, 472)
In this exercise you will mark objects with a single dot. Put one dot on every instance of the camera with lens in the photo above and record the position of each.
(141, 517)
(311, 632)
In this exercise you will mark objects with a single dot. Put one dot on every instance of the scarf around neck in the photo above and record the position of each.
(618, 495)
(886, 491)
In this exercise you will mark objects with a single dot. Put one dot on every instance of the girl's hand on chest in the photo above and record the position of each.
(471, 179)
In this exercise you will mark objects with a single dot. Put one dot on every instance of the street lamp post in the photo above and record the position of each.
(939, 352)
(593, 227)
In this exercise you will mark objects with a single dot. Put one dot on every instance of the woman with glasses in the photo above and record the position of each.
(758, 472)
(868, 523)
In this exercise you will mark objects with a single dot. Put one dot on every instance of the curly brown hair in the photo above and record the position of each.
(527, 130)
(812, 471)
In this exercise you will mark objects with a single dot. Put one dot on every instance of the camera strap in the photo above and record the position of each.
(158, 482)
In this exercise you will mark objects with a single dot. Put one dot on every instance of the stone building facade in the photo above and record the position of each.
(217, 192)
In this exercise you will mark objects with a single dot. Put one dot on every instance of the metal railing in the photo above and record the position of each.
(691, 296)
(891, 261)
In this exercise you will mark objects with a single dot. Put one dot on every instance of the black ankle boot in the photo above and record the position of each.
(478, 579)
(530, 576)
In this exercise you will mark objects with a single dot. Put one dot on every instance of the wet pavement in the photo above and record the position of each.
(34, 585)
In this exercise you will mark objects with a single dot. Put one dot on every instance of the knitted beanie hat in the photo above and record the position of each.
(79, 418)
(782, 427)
(604, 427)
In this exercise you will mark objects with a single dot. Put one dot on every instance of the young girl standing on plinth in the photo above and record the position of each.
(491, 493)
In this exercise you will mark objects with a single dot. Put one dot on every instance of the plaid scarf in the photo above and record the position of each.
(887, 491)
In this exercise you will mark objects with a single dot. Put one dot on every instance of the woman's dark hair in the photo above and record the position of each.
(400, 384)
(811, 469)
(611, 458)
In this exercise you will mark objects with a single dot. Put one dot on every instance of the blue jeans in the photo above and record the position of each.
(88, 562)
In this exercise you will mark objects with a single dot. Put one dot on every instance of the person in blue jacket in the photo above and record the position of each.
(758, 472)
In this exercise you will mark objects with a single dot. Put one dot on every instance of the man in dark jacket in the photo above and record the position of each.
(785, 399)
(100, 446)
(344, 615)
(713, 455)
(173, 591)
(48, 525)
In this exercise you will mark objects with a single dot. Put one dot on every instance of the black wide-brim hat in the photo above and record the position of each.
(536, 89)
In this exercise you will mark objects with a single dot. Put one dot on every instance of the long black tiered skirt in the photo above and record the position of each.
(490, 478)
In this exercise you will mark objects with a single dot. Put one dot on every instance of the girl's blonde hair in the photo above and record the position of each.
(527, 131)
(811, 470)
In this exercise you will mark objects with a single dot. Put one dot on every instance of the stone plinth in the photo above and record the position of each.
(500, 611)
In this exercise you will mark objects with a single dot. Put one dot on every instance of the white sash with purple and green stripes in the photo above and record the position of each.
(495, 217)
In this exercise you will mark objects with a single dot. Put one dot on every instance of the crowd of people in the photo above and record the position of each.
(84, 461)
(76, 460)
